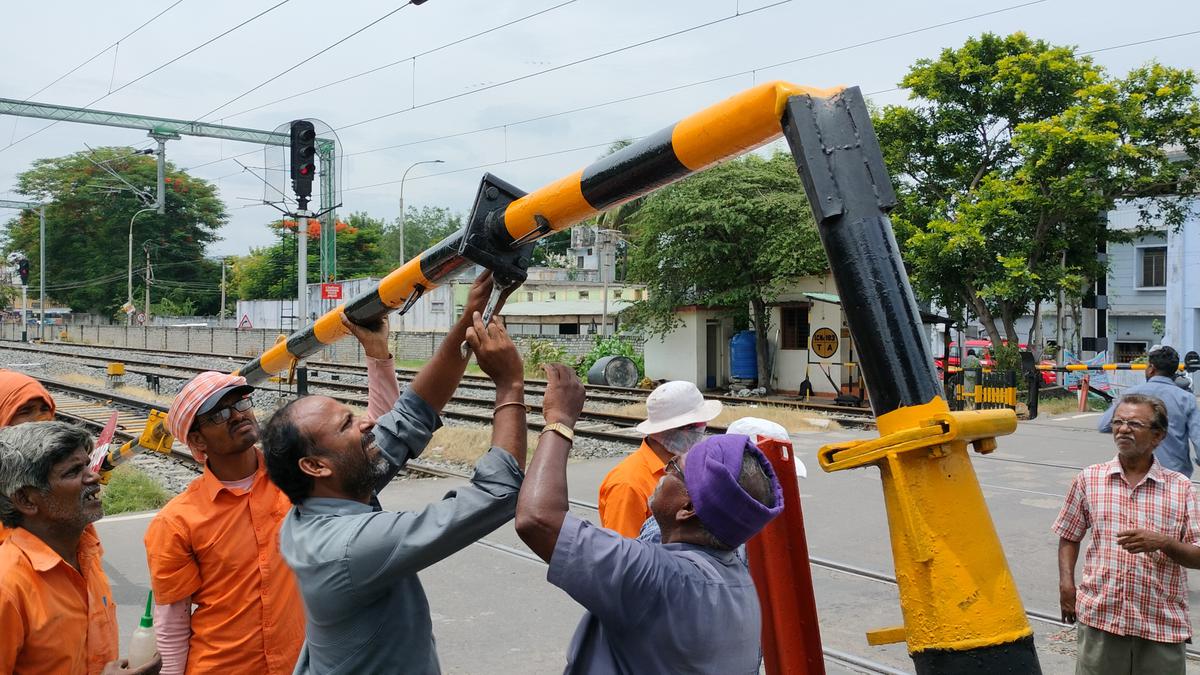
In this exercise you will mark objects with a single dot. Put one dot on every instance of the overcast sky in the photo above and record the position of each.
(730, 44)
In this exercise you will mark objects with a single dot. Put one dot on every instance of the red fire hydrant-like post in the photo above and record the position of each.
(791, 636)
(1084, 385)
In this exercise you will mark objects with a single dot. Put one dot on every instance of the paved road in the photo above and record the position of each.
(494, 612)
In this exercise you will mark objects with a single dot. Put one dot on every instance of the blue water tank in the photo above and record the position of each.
(743, 361)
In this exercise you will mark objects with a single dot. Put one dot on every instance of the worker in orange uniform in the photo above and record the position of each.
(22, 399)
(57, 615)
(216, 544)
(676, 417)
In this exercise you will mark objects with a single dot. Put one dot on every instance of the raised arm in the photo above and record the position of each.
(497, 356)
(382, 388)
(542, 504)
(436, 382)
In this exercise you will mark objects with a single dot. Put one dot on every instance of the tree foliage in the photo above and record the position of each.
(731, 237)
(1007, 159)
(269, 272)
(423, 227)
(87, 230)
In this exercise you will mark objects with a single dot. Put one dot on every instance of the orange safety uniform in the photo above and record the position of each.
(625, 492)
(220, 547)
(54, 619)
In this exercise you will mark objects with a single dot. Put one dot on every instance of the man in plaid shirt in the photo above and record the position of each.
(1131, 605)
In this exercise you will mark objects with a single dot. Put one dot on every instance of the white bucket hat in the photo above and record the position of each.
(676, 404)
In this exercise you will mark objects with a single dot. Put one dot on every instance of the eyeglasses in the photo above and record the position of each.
(1133, 425)
(222, 415)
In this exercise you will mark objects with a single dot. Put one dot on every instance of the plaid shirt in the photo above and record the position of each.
(1144, 594)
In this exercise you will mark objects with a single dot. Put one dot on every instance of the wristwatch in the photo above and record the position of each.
(560, 429)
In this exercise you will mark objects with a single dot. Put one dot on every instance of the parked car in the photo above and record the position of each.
(983, 350)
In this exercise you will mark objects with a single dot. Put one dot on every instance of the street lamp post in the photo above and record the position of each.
(403, 258)
(129, 280)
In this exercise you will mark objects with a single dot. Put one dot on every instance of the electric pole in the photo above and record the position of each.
(221, 316)
(146, 306)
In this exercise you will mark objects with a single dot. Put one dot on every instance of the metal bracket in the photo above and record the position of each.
(486, 241)
(978, 427)
(417, 291)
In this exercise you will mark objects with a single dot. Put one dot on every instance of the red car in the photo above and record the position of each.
(983, 350)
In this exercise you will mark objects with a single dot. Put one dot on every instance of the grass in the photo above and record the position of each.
(794, 420)
(1063, 404)
(129, 489)
(472, 367)
(464, 445)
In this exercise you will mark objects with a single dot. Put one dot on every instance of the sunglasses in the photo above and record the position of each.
(222, 415)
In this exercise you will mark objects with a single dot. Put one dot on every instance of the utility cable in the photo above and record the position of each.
(97, 55)
(403, 60)
(656, 92)
(610, 52)
(305, 60)
(155, 69)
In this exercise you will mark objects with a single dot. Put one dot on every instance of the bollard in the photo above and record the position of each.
(1083, 393)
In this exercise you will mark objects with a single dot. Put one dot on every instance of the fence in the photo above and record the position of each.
(408, 346)
(987, 389)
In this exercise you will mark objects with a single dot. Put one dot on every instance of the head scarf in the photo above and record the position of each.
(17, 389)
(711, 474)
(192, 400)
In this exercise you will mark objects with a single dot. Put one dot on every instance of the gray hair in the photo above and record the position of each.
(27, 453)
(1157, 408)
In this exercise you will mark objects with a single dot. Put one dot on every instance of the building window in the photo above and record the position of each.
(617, 294)
(528, 297)
(589, 251)
(552, 295)
(794, 333)
(437, 306)
(1128, 352)
(579, 262)
(583, 295)
(568, 329)
(1153, 267)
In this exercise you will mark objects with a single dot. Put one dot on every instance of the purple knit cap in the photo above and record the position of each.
(711, 473)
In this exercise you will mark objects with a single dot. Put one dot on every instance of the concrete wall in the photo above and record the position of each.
(417, 346)
(679, 355)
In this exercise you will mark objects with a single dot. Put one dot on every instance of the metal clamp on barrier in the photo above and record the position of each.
(487, 242)
(978, 427)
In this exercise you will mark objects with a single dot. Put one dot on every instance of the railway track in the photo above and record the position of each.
(324, 374)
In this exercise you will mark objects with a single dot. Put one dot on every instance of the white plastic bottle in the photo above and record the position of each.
(142, 647)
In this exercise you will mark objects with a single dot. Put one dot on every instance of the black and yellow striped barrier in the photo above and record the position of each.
(962, 611)
(727, 129)
(1075, 367)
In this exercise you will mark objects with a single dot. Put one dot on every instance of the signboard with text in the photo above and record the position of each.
(824, 343)
(331, 291)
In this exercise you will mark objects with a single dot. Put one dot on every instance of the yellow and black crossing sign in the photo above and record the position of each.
(824, 343)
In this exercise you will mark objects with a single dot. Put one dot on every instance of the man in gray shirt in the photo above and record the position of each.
(356, 564)
(1183, 415)
(684, 606)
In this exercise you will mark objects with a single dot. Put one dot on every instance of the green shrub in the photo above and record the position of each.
(541, 352)
(1008, 357)
(610, 346)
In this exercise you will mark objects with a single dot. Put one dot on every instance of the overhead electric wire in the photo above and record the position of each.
(593, 57)
(155, 69)
(305, 60)
(403, 60)
(656, 92)
(97, 55)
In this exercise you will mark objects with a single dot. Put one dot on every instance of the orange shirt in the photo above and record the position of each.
(221, 548)
(53, 618)
(4, 533)
(625, 492)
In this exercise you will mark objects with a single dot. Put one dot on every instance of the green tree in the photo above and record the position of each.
(87, 230)
(732, 236)
(423, 227)
(1007, 159)
(269, 272)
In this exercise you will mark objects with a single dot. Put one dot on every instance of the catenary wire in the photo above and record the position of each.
(305, 60)
(155, 69)
(403, 60)
(97, 55)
